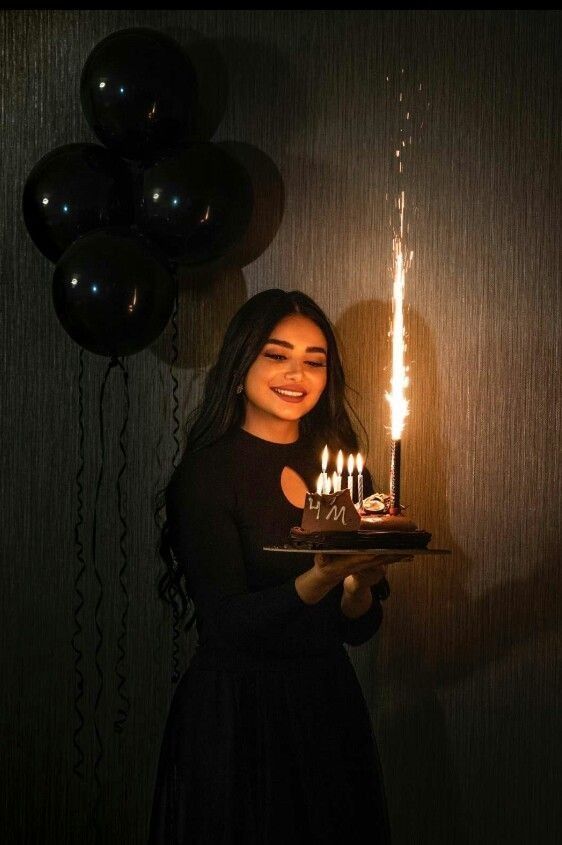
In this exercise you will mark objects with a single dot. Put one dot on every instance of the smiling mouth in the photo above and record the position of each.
(289, 395)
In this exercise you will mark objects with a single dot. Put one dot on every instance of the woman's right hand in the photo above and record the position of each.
(331, 569)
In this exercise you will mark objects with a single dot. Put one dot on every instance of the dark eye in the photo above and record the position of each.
(316, 363)
(273, 355)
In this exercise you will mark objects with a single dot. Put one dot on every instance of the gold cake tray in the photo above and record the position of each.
(387, 551)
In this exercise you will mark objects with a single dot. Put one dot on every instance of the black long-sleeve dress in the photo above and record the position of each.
(269, 739)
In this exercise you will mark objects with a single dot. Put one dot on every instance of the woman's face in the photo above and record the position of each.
(287, 378)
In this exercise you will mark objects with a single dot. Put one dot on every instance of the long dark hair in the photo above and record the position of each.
(223, 408)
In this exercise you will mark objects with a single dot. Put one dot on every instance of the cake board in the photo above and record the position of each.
(387, 551)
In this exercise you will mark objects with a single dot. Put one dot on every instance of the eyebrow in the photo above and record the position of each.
(288, 345)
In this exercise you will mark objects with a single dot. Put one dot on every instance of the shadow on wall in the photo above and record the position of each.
(409, 722)
(212, 77)
(435, 633)
(209, 295)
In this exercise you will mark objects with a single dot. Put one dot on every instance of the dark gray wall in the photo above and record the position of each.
(461, 679)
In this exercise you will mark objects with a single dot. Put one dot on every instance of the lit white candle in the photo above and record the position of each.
(335, 486)
(339, 465)
(350, 465)
(359, 479)
(328, 486)
(325, 467)
(320, 483)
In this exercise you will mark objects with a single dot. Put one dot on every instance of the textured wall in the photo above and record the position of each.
(462, 678)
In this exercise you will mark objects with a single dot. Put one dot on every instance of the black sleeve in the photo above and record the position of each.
(358, 631)
(204, 537)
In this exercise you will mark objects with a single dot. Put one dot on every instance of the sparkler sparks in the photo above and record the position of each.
(399, 380)
(402, 259)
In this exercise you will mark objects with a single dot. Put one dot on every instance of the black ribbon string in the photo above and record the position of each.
(78, 766)
(175, 460)
(175, 403)
(114, 362)
(123, 710)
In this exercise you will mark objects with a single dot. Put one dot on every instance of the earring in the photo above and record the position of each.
(240, 388)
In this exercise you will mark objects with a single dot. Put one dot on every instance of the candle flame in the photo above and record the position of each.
(359, 463)
(325, 458)
(339, 462)
(350, 465)
(399, 381)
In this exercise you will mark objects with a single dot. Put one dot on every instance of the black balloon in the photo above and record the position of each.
(138, 91)
(73, 190)
(196, 204)
(113, 293)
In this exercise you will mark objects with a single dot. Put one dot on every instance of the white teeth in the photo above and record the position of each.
(287, 392)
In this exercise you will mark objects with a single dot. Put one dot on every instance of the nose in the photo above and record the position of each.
(294, 370)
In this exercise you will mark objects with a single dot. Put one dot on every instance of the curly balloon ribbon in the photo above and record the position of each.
(123, 710)
(99, 743)
(78, 766)
(175, 403)
(175, 430)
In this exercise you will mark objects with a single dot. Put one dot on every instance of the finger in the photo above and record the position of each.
(370, 568)
(373, 559)
(374, 564)
(396, 558)
(350, 557)
(379, 567)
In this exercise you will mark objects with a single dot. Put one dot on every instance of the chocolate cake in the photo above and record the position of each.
(332, 521)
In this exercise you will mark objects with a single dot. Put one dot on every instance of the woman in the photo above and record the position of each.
(269, 738)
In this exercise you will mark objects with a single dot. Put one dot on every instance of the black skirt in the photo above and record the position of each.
(279, 753)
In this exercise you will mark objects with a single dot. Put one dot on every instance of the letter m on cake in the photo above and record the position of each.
(330, 512)
(335, 514)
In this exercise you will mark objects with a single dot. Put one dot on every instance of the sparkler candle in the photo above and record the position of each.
(395, 450)
(399, 381)
(350, 465)
(359, 479)
(339, 466)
